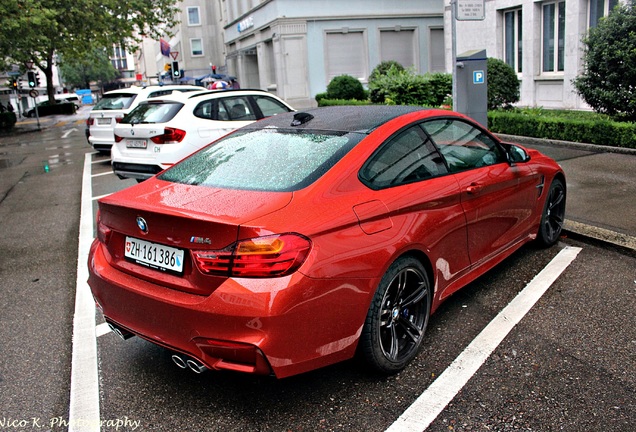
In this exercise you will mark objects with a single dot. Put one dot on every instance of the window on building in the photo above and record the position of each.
(437, 52)
(398, 46)
(513, 43)
(196, 47)
(600, 9)
(346, 54)
(194, 17)
(553, 37)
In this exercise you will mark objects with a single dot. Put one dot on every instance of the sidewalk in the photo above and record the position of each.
(601, 182)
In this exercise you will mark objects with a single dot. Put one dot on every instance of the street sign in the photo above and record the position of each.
(479, 77)
(14, 73)
(470, 10)
(174, 54)
(34, 93)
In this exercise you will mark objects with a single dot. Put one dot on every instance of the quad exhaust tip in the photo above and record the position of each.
(123, 334)
(188, 363)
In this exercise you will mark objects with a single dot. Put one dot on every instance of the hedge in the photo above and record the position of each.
(576, 128)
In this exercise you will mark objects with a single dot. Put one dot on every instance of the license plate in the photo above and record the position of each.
(103, 121)
(136, 144)
(153, 255)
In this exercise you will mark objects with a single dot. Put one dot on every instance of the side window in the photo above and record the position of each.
(205, 110)
(236, 108)
(463, 145)
(270, 106)
(407, 157)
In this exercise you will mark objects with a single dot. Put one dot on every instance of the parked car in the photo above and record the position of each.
(162, 131)
(300, 240)
(115, 104)
(46, 108)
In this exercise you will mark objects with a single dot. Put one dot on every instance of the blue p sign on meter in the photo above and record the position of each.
(479, 77)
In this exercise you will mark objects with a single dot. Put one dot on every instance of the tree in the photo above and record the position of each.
(503, 84)
(607, 84)
(41, 30)
(94, 67)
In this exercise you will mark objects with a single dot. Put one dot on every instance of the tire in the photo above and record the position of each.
(397, 318)
(553, 215)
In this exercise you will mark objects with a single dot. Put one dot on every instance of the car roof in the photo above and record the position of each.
(151, 88)
(195, 95)
(362, 118)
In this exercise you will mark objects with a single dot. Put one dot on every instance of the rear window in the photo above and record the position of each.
(152, 112)
(265, 160)
(117, 101)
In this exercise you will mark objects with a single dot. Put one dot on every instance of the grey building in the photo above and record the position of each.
(541, 40)
(295, 47)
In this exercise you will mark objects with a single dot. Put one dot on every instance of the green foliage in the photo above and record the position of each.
(405, 87)
(503, 84)
(376, 92)
(575, 126)
(340, 102)
(345, 87)
(78, 73)
(607, 84)
(7, 120)
(40, 30)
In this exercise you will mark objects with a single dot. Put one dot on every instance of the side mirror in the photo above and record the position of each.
(516, 154)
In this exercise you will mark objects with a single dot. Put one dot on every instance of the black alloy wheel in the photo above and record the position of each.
(397, 318)
(553, 215)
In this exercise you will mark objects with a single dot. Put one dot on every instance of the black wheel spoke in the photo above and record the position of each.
(417, 296)
(411, 330)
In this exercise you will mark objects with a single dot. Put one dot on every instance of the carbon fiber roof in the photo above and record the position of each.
(362, 118)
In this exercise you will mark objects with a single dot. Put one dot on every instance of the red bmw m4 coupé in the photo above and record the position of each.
(308, 238)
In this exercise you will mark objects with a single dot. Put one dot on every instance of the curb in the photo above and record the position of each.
(609, 237)
(567, 144)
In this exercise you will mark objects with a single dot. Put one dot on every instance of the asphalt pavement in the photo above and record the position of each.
(601, 181)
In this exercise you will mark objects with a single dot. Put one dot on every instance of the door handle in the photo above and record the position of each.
(474, 188)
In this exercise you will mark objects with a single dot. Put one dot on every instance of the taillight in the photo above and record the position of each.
(119, 118)
(103, 232)
(268, 256)
(169, 136)
(118, 138)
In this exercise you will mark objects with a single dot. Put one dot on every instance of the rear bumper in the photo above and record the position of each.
(283, 326)
(135, 171)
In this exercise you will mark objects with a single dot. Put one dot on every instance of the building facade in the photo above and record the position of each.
(294, 48)
(197, 44)
(540, 39)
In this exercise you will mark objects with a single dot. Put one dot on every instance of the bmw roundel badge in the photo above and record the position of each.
(141, 223)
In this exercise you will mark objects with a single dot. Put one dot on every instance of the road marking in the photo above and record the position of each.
(103, 174)
(432, 402)
(101, 196)
(84, 400)
(68, 132)
(102, 329)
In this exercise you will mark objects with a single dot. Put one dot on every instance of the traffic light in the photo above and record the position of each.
(31, 78)
(13, 83)
(37, 80)
(176, 73)
(19, 83)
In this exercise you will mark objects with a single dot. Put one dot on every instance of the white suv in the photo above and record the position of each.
(162, 131)
(115, 104)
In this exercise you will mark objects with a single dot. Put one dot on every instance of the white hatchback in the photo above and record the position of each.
(115, 104)
(162, 131)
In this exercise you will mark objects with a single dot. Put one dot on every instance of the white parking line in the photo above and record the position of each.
(101, 196)
(103, 174)
(84, 399)
(102, 329)
(432, 402)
